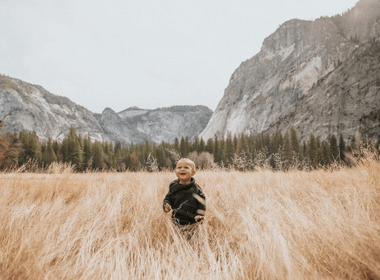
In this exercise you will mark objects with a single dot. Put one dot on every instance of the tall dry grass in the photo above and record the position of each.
(260, 225)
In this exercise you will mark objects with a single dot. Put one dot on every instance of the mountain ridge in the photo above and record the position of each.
(292, 61)
(28, 107)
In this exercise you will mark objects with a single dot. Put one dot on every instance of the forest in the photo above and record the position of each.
(277, 151)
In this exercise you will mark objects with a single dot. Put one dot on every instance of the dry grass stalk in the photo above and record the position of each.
(174, 154)
(259, 225)
(151, 164)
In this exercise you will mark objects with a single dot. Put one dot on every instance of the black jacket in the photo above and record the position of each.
(187, 201)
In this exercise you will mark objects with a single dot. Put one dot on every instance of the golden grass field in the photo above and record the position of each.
(259, 225)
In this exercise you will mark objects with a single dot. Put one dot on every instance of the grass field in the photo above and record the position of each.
(259, 225)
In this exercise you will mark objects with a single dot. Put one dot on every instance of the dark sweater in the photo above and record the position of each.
(184, 202)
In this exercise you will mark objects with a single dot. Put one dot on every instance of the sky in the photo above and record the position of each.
(144, 53)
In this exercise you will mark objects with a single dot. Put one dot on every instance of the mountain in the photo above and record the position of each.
(28, 107)
(135, 125)
(320, 76)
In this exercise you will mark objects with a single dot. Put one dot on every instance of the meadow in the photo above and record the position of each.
(321, 224)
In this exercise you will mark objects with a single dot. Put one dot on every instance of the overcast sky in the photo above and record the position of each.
(145, 53)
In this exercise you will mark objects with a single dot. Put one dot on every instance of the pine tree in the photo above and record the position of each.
(97, 156)
(160, 155)
(342, 148)
(258, 143)
(304, 150)
(228, 151)
(239, 143)
(30, 144)
(334, 148)
(64, 150)
(33, 142)
(111, 163)
(111, 158)
(117, 147)
(287, 150)
(49, 156)
(266, 141)
(245, 143)
(38, 155)
(43, 148)
(176, 144)
(184, 146)
(80, 141)
(105, 147)
(119, 155)
(128, 161)
(202, 146)
(74, 152)
(276, 140)
(57, 150)
(210, 146)
(325, 151)
(236, 146)
(294, 141)
(319, 151)
(195, 145)
(313, 150)
(217, 150)
(87, 153)
(23, 139)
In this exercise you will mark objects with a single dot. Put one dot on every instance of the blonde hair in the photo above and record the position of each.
(188, 161)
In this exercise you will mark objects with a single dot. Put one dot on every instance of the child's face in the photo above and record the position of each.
(184, 172)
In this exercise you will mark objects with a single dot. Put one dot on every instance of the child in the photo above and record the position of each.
(185, 197)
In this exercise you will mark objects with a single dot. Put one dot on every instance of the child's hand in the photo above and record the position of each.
(167, 208)
(199, 218)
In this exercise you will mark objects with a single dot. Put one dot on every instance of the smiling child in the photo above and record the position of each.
(185, 197)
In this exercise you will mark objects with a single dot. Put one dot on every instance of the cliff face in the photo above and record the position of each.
(31, 108)
(279, 86)
(164, 124)
(344, 101)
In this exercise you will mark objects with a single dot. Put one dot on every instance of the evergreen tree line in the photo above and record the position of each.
(240, 152)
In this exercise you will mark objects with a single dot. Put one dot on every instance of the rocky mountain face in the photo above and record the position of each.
(30, 107)
(135, 125)
(320, 76)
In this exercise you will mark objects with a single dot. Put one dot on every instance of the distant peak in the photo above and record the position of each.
(108, 109)
(133, 108)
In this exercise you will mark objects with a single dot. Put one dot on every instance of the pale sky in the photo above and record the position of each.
(145, 53)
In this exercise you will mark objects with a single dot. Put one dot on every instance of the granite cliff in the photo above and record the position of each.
(320, 76)
(28, 107)
(135, 125)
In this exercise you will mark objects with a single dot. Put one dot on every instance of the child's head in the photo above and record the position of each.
(185, 169)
